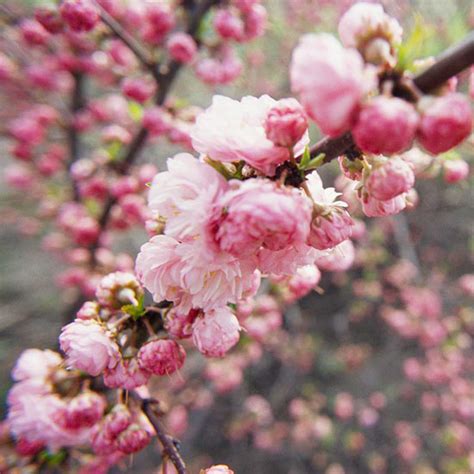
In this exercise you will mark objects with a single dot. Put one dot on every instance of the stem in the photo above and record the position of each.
(126, 38)
(450, 63)
(170, 451)
(77, 102)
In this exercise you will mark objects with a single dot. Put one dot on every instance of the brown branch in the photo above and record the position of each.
(77, 103)
(150, 408)
(122, 34)
(450, 63)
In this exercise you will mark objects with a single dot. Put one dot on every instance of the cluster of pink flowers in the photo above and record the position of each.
(39, 416)
(338, 93)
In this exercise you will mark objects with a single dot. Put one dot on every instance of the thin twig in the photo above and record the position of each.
(77, 103)
(149, 407)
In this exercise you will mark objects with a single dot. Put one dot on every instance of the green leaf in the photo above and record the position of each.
(305, 159)
(135, 311)
(52, 459)
(135, 110)
(113, 150)
(316, 162)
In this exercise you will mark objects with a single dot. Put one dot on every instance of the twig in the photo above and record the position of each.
(127, 39)
(77, 102)
(170, 450)
(450, 63)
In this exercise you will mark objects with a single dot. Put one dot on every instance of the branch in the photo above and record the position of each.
(127, 39)
(149, 407)
(450, 63)
(77, 102)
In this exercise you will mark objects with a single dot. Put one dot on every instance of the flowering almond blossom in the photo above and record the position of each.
(231, 130)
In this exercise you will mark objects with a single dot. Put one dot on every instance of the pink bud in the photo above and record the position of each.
(89, 310)
(126, 374)
(329, 230)
(179, 325)
(386, 126)
(80, 15)
(255, 21)
(28, 448)
(154, 121)
(159, 22)
(182, 47)
(286, 123)
(84, 410)
(161, 357)
(216, 332)
(133, 439)
(138, 89)
(49, 19)
(118, 420)
(33, 32)
(455, 170)
(228, 25)
(445, 122)
(375, 208)
(391, 179)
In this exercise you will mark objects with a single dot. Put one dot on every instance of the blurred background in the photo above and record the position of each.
(346, 386)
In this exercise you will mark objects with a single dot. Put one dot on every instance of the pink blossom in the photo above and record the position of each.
(230, 130)
(35, 363)
(19, 176)
(455, 171)
(466, 284)
(154, 120)
(161, 357)
(33, 32)
(392, 178)
(138, 89)
(286, 123)
(261, 213)
(330, 81)
(445, 122)
(80, 15)
(179, 324)
(331, 224)
(84, 410)
(375, 208)
(182, 47)
(338, 259)
(365, 21)
(118, 289)
(218, 469)
(344, 406)
(255, 21)
(382, 114)
(159, 21)
(228, 25)
(216, 333)
(88, 347)
(185, 194)
(126, 374)
(133, 439)
(49, 19)
(286, 261)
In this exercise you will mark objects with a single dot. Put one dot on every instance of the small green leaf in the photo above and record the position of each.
(113, 150)
(52, 459)
(305, 159)
(316, 162)
(135, 311)
(136, 111)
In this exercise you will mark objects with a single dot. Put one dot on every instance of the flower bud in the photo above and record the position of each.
(80, 15)
(330, 229)
(391, 179)
(161, 357)
(286, 123)
(455, 170)
(118, 289)
(138, 89)
(386, 126)
(49, 19)
(182, 47)
(216, 332)
(228, 25)
(133, 439)
(445, 122)
(84, 410)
